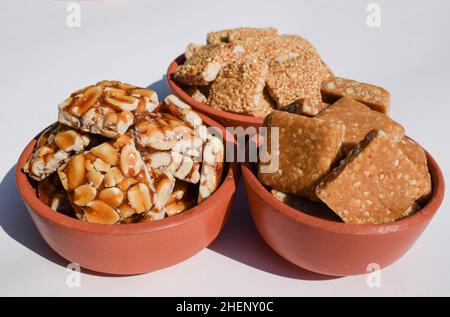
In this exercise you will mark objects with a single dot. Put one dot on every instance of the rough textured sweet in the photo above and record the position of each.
(212, 167)
(307, 107)
(308, 149)
(295, 78)
(107, 108)
(110, 183)
(373, 96)
(239, 88)
(205, 63)
(376, 183)
(239, 34)
(191, 49)
(359, 120)
(417, 155)
(53, 148)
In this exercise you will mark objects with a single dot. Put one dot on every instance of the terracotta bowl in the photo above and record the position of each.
(132, 248)
(335, 248)
(227, 119)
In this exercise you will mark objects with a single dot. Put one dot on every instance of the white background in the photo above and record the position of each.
(42, 61)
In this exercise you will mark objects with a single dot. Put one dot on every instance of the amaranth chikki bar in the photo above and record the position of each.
(308, 149)
(375, 97)
(54, 146)
(376, 183)
(238, 34)
(107, 108)
(239, 87)
(205, 63)
(360, 120)
(295, 78)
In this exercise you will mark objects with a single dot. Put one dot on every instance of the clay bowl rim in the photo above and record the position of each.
(225, 115)
(424, 214)
(28, 194)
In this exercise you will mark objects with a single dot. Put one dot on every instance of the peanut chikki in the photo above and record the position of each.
(308, 149)
(295, 78)
(168, 145)
(360, 120)
(239, 88)
(205, 63)
(181, 198)
(376, 183)
(108, 108)
(53, 147)
(238, 34)
(212, 167)
(374, 97)
(110, 183)
(51, 192)
(417, 155)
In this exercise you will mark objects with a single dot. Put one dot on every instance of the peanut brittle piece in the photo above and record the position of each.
(168, 145)
(307, 150)
(109, 183)
(212, 167)
(376, 183)
(417, 155)
(51, 192)
(239, 34)
(205, 63)
(295, 78)
(182, 198)
(54, 146)
(239, 87)
(107, 108)
(376, 98)
(359, 120)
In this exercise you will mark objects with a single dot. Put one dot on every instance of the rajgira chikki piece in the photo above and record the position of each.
(239, 34)
(239, 88)
(205, 63)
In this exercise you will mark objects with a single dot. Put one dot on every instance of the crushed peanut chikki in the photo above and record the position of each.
(376, 183)
(383, 177)
(155, 165)
(359, 120)
(308, 149)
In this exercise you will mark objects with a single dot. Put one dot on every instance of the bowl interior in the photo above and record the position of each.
(28, 193)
